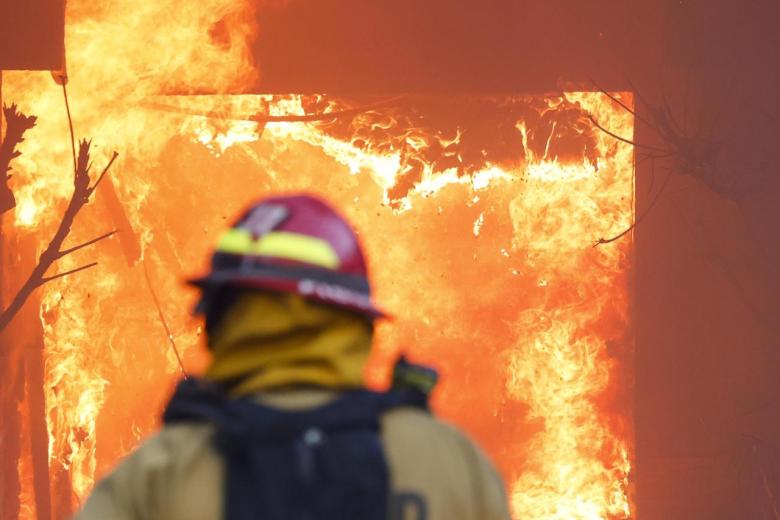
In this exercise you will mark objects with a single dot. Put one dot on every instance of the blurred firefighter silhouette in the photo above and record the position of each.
(281, 426)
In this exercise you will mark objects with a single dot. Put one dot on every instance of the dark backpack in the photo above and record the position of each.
(325, 463)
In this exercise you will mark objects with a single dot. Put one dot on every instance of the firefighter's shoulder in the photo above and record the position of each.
(189, 469)
(437, 472)
(174, 474)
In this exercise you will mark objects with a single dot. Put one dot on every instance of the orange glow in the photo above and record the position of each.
(486, 261)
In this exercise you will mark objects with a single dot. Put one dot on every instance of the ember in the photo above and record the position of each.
(483, 214)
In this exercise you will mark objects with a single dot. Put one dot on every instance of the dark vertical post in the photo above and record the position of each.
(39, 434)
(648, 328)
(11, 398)
(11, 392)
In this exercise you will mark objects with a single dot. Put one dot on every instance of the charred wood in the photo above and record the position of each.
(17, 124)
(39, 434)
(128, 240)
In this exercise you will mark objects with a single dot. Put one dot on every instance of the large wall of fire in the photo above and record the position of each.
(479, 215)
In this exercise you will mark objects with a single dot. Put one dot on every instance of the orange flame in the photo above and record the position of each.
(485, 260)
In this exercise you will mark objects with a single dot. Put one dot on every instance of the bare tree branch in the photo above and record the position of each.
(103, 173)
(623, 139)
(66, 273)
(696, 153)
(641, 217)
(625, 107)
(86, 244)
(54, 251)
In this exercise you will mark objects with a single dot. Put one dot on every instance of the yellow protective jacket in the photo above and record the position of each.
(177, 474)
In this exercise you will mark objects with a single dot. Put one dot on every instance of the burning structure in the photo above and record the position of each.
(497, 225)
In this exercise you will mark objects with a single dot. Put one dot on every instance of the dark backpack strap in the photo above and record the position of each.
(327, 463)
(412, 385)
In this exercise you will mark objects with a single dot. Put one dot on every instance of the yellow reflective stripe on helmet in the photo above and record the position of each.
(280, 244)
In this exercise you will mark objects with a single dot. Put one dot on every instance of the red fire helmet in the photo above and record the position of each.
(293, 244)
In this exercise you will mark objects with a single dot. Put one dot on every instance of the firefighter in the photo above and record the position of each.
(281, 426)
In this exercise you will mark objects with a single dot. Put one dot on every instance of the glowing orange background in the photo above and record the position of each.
(491, 272)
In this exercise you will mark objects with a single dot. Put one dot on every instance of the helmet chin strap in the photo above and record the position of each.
(214, 304)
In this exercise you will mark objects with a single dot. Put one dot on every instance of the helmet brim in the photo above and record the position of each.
(327, 293)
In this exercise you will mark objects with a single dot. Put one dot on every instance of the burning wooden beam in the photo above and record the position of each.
(128, 240)
(32, 35)
(444, 46)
